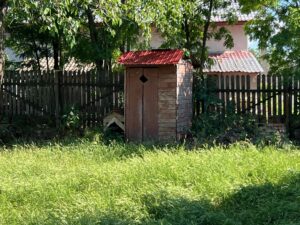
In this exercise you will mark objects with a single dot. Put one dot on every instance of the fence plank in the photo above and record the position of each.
(269, 107)
(264, 102)
(93, 99)
(253, 100)
(57, 91)
(227, 87)
(248, 87)
(259, 96)
(275, 97)
(243, 93)
(295, 95)
(238, 94)
(280, 99)
(232, 79)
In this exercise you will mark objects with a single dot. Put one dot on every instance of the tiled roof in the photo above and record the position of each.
(234, 61)
(220, 14)
(71, 65)
(152, 57)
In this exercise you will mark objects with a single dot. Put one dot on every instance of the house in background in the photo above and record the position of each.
(232, 62)
(236, 61)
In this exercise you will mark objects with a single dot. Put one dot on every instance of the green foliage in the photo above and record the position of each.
(277, 28)
(80, 182)
(214, 127)
(27, 128)
(67, 28)
(71, 119)
(183, 23)
(272, 138)
(97, 30)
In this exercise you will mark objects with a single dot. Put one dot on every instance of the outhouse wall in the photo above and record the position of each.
(167, 98)
(184, 97)
(175, 104)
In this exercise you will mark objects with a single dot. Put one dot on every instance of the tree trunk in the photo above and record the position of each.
(205, 35)
(2, 53)
(200, 76)
(47, 57)
(55, 45)
(93, 36)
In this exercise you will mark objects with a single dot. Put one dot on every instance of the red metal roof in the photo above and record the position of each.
(152, 57)
(234, 61)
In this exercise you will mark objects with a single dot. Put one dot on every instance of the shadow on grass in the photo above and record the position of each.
(252, 205)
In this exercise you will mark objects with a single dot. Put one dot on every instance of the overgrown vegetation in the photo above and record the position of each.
(225, 129)
(214, 128)
(83, 182)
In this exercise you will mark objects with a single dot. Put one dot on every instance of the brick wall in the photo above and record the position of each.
(184, 97)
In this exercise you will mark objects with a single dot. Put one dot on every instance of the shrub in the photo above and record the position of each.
(224, 129)
(71, 119)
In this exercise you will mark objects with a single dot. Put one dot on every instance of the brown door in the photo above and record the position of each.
(141, 104)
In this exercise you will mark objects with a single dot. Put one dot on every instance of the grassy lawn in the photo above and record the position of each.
(86, 183)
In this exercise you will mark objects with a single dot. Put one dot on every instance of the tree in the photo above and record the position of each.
(54, 19)
(277, 29)
(188, 24)
(3, 5)
(81, 28)
(2, 53)
(98, 30)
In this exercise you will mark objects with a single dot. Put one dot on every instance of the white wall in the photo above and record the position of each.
(239, 36)
(156, 39)
(237, 31)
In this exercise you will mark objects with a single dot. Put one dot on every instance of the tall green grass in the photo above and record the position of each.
(89, 183)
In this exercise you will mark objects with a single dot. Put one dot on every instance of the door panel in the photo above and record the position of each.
(150, 111)
(141, 110)
(133, 113)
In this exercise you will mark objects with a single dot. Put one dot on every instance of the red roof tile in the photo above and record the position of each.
(152, 57)
(234, 61)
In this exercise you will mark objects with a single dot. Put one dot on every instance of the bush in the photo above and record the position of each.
(274, 138)
(27, 128)
(71, 120)
(216, 128)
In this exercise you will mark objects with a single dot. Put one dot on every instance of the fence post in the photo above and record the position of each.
(1, 96)
(57, 93)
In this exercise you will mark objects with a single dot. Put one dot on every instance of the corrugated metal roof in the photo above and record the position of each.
(220, 14)
(71, 65)
(234, 61)
(151, 57)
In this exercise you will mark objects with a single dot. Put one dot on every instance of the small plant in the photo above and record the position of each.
(94, 135)
(274, 138)
(71, 119)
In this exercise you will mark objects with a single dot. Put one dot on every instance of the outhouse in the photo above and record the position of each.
(158, 94)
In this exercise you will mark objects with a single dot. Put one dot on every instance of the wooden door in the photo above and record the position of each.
(141, 115)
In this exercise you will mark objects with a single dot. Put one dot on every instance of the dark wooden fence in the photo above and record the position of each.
(272, 99)
(91, 94)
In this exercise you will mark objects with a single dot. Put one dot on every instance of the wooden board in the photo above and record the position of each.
(150, 102)
(141, 109)
(133, 105)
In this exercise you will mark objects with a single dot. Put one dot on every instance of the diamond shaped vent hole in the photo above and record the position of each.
(143, 79)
